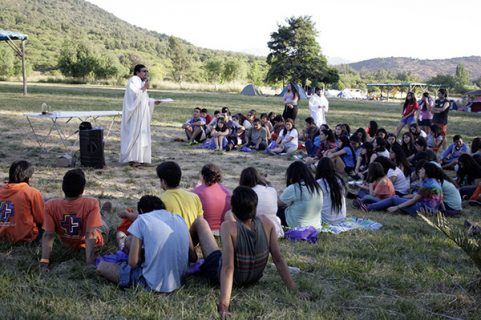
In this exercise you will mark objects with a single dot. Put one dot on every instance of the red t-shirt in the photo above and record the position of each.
(215, 203)
(410, 108)
(208, 119)
(71, 218)
(21, 210)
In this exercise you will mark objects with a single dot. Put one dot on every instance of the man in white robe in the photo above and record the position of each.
(135, 138)
(318, 107)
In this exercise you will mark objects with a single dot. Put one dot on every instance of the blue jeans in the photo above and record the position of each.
(467, 191)
(369, 199)
(311, 148)
(395, 201)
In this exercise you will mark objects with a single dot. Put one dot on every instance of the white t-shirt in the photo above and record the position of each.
(267, 205)
(328, 215)
(166, 242)
(402, 183)
(294, 134)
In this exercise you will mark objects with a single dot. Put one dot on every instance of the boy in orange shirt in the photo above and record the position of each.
(21, 206)
(75, 219)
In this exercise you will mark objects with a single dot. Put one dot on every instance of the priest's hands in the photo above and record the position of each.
(157, 102)
(146, 85)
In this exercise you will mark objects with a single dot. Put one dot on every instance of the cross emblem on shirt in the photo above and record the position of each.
(6, 210)
(71, 224)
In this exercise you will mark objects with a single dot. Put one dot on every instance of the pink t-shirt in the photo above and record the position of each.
(215, 202)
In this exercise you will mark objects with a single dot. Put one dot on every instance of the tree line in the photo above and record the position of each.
(295, 55)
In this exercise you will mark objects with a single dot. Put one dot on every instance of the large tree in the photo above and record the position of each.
(296, 55)
(181, 59)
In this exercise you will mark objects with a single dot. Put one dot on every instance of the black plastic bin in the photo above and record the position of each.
(92, 148)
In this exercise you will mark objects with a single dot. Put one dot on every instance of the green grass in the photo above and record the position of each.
(406, 270)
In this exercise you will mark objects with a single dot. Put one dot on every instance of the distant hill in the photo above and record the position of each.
(423, 69)
(49, 22)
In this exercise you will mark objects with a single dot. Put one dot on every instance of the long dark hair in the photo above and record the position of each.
(408, 148)
(329, 135)
(250, 177)
(372, 128)
(375, 171)
(409, 101)
(386, 163)
(401, 159)
(298, 172)
(475, 144)
(361, 133)
(369, 152)
(345, 142)
(294, 90)
(469, 168)
(285, 131)
(325, 170)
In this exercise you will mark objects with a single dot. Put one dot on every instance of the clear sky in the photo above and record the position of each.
(350, 29)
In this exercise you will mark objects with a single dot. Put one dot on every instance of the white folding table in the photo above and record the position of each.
(55, 118)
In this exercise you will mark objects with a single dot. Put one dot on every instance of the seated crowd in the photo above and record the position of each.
(160, 238)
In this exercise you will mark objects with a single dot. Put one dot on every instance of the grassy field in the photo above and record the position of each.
(406, 270)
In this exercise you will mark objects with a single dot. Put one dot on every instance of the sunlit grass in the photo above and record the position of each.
(404, 271)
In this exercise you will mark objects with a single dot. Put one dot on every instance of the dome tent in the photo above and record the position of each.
(251, 90)
(302, 93)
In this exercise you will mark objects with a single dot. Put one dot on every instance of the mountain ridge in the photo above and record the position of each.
(421, 68)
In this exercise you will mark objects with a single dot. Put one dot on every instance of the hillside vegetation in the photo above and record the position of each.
(423, 69)
(54, 24)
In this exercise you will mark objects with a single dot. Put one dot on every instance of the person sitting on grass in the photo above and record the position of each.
(267, 195)
(195, 128)
(146, 204)
(287, 142)
(407, 145)
(213, 195)
(247, 241)
(235, 133)
(380, 186)
(256, 136)
(333, 192)
(21, 205)
(469, 175)
(159, 249)
(435, 139)
(204, 113)
(429, 196)
(75, 219)
(451, 197)
(366, 156)
(278, 125)
(327, 144)
(449, 157)
(176, 199)
(397, 176)
(344, 157)
(308, 135)
(219, 134)
(267, 125)
(301, 200)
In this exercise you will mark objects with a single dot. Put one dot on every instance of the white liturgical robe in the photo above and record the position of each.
(318, 107)
(135, 138)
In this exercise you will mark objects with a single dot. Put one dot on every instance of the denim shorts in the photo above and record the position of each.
(409, 120)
